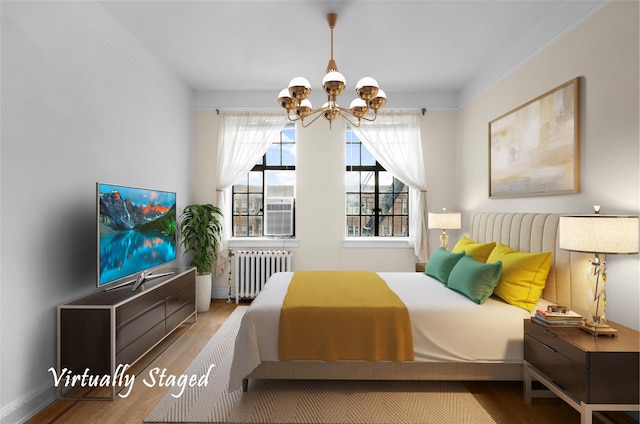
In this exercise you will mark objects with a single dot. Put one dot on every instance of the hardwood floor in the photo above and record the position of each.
(503, 400)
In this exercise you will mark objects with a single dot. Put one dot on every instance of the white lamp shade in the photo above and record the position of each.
(598, 233)
(445, 220)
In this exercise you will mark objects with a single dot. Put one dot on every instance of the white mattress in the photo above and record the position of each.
(447, 326)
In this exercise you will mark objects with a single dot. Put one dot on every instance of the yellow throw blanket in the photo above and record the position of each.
(343, 315)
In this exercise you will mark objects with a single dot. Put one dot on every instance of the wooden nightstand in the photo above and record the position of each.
(420, 266)
(589, 373)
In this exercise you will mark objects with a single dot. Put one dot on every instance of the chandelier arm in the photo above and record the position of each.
(375, 115)
(365, 117)
(317, 110)
(295, 117)
(345, 113)
(317, 113)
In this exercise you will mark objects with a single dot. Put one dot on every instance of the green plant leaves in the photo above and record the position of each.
(201, 230)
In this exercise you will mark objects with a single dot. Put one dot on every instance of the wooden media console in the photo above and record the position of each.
(106, 332)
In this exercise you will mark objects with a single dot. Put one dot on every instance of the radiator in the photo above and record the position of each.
(252, 269)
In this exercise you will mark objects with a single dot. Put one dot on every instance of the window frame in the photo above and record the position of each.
(262, 167)
(378, 216)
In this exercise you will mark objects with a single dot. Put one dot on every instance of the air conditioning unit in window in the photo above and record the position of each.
(278, 216)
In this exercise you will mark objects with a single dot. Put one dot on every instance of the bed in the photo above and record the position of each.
(453, 337)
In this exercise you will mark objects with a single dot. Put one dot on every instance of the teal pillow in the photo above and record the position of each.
(441, 263)
(474, 279)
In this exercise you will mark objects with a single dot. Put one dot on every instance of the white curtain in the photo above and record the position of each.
(394, 140)
(243, 138)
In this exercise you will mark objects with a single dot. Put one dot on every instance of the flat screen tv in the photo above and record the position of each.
(136, 233)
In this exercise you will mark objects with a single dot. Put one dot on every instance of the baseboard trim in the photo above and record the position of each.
(222, 293)
(26, 407)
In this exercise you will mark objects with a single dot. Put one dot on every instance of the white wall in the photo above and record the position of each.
(607, 62)
(82, 101)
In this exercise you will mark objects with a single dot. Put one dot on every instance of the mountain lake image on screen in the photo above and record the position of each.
(136, 231)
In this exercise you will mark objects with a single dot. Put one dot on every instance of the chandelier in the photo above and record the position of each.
(295, 98)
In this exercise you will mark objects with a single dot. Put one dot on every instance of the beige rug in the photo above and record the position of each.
(303, 401)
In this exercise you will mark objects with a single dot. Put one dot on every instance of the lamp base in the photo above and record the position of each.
(444, 240)
(598, 329)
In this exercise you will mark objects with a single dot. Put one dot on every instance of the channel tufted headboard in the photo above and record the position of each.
(568, 282)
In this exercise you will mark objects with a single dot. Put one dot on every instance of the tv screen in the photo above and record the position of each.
(136, 231)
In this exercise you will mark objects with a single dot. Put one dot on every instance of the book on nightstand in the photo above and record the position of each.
(546, 323)
(561, 318)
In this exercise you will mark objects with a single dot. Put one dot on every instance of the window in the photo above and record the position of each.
(273, 177)
(377, 203)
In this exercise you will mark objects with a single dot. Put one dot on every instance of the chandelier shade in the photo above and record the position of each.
(367, 88)
(365, 107)
(299, 88)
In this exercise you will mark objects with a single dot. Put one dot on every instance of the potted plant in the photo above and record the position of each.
(201, 229)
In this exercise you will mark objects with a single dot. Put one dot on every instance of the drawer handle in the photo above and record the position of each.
(549, 347)
(551, 333)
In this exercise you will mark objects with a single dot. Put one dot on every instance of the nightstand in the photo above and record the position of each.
(589, 373)
(420, 266)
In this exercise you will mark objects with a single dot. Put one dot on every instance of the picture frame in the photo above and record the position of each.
(534, 149)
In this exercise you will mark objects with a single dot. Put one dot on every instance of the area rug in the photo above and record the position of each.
(304, 401)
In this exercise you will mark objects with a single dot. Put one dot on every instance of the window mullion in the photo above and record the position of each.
(376, 201)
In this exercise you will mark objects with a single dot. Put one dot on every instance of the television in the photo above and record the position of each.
(136, 234)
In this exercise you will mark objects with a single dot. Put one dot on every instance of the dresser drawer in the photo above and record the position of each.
(130, 311)
(134, 329)
(563, 371)
(613, 378)
(552, 337)
(601, 372)
(134, 350)
(181, 294)
(180, 283)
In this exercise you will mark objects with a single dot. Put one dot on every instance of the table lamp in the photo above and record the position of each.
(598, 234)
(444, 221)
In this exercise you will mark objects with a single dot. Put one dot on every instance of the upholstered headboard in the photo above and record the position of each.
(568, 282)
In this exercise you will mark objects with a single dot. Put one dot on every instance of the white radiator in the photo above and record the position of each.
(252, 269)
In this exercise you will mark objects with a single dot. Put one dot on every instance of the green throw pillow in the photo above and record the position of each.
(441, 263)
(474, 279)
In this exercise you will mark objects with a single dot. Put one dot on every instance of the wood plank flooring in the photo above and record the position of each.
(503, 400)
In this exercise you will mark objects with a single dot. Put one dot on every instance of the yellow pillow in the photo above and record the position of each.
(524, 275)
(479, 251)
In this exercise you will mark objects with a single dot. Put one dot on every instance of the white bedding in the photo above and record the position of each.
(447, 326)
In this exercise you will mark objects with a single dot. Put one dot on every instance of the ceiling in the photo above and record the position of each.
(451, 47)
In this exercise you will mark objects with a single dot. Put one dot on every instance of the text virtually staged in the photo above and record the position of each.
(157, 376)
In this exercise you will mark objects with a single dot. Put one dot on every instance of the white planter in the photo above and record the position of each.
(203, 292)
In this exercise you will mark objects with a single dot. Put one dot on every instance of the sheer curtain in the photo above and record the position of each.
(243, 138)
(394, 140)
